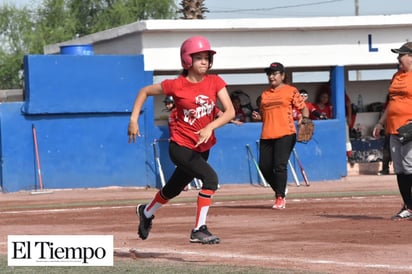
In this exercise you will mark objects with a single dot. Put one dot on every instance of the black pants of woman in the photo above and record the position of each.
(273, 161)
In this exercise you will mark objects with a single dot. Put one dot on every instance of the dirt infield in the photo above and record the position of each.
(332, 227)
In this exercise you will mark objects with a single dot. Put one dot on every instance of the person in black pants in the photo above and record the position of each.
(196, 95)
(396, 116)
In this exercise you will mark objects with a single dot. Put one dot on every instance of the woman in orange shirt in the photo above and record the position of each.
(397, 114)
(278, 136)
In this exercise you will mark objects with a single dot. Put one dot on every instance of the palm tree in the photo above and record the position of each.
(192, 9)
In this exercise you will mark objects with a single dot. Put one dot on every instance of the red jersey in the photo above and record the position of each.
(348, 104)
(240, 115)
(297, 114)
(326, 111)
(172, 120)
(195, 104)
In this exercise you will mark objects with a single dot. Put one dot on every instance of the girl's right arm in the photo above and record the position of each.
(151, 90)
(227, 115)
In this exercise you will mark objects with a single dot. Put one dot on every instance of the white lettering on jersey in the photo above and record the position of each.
(205, 107)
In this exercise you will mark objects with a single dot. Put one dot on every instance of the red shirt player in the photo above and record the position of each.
(196, 94)
(323, 106)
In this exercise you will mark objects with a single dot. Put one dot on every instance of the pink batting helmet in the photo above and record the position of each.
(193, 45)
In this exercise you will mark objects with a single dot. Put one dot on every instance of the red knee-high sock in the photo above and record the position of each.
(155, 204)
(204, 200)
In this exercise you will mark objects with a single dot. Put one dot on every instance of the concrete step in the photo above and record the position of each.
(366, 168)
(11, 95)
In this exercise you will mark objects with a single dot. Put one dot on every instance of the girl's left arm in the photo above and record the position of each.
(228, 109)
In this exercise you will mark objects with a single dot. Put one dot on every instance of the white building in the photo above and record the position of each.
(308, 47)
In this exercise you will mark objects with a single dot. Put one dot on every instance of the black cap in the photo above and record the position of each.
(275, 66)
(405, 49)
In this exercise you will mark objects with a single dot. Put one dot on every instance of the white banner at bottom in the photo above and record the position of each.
(60, 250)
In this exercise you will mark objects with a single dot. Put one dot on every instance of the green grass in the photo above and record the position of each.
(146, 267)
(215, 199)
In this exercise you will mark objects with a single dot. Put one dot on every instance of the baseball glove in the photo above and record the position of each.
(305, 130)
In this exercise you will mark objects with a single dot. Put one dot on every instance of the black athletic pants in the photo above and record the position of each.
(405, 188)
(189, 164)
(273, 160)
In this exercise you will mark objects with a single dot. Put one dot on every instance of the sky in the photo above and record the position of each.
(231, 9)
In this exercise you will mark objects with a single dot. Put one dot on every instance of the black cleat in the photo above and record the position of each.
(383, 172)
(203, 236)
(145, 224)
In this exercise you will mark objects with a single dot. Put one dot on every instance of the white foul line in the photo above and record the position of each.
(268, 258)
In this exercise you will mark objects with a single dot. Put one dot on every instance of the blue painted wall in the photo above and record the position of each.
(80, 107)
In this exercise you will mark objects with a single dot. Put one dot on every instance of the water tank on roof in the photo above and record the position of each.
(77, 50)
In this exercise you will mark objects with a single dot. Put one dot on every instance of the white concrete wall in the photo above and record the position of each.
(249, 45)
(11, 95)
(243, 44)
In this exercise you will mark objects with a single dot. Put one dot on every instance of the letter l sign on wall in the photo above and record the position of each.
(371, 49)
